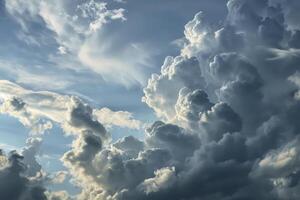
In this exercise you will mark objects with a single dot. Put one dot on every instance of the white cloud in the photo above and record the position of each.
(78, 31)
(30, 107)
(120, 118)
(163, 179)
(245, 139)
(279, 163)
(163, 89)
(59, 177)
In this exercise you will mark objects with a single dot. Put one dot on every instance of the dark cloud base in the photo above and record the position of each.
(229, 107)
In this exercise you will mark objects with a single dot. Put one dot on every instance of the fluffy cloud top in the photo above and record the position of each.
(229, 114)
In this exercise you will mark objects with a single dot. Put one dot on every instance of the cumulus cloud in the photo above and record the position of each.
(76, 118)
(189, 105)
(229, 119)
(163, 179)
(14, 185)
(130, 146)
(162, 90)
(242, 110)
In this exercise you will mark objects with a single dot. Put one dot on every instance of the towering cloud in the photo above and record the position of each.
(229, 115)
(245, 109)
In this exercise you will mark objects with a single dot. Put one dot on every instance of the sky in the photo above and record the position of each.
(149, 100)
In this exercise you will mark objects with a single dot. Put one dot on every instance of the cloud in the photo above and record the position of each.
(163, 179)
(178, 141)
(74, 116)
(244, 66)
(130, 146)
(14, 185)
(119, 118)
(34, 77)
(189, 105)
(162, 90)
(35, 108)
(29, 152)
(58, 195)
(229, 119)
(60, 177)
(17, 108)
(78, 31)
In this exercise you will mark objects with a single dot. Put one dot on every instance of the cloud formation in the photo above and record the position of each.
(229, 117)
(119, 118)
(36, 110)
(13, 184)
(77, 30)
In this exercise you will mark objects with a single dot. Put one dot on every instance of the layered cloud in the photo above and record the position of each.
(228, 109)
(36, 110)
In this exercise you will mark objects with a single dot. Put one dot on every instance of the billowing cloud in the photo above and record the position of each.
(229, 117)
(242, 110)
(14, 185)
(162, 90)
(163, 179)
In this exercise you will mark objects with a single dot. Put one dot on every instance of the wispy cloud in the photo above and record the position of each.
(78, 29)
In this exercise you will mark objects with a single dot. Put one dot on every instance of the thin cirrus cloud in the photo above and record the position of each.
(77, 30)
(227, 120)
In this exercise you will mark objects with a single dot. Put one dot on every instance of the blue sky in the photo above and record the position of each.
(155, 25)
(29, 56)
(149, 100)
(37, 65)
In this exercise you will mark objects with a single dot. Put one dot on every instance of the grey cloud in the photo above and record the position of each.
(178, 141)
(190, 104)
(29, 153)
(240, 85)
(290, 13)
(228, 39)
(164, 178)
(80, 117)
(250, 67)
(130, 146)
(231, 119)
(14, 185)
(219, 120)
